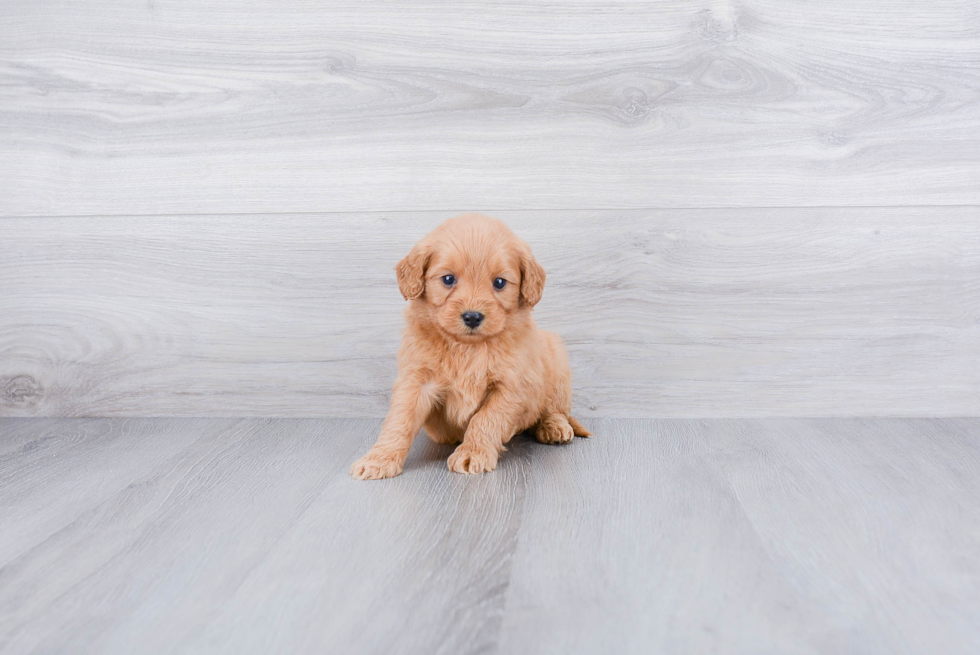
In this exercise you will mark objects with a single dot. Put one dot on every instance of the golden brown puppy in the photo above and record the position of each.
(473, 367)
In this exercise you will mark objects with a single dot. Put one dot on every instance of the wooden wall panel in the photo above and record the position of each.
(267, 107)
(745, 312)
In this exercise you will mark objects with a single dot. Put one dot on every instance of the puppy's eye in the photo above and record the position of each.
(499, 283)
(449, 280)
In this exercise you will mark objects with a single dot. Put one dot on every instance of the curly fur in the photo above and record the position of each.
(472, 387)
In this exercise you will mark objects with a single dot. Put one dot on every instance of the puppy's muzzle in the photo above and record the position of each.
(472, 320)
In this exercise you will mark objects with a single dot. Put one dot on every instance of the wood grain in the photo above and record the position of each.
(255, 524)
(263, 107)
(655, 536)
(74, 466)
(871, 311)
(788, 536)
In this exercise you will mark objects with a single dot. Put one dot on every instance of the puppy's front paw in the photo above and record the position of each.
(468, 459)
(376, 466)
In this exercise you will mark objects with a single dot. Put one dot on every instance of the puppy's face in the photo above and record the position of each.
(474, 276)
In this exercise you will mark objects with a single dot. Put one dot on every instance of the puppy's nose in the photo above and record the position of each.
(472, 319)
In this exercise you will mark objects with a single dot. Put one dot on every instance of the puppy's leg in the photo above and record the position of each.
(554, 428)
(411, 402)
(440, 430)
(556, 424)
(489, 429)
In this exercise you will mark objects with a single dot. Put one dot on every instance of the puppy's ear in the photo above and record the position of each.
(411, 271)
(532, 278)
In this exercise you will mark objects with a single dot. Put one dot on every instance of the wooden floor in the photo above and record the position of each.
(655, 536)
(746, 208)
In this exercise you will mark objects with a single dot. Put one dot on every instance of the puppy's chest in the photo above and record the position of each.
(465, 388)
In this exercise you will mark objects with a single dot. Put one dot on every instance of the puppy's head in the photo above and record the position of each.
(474, 278)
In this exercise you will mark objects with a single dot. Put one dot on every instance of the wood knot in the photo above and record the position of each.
(719, 25)
(635, 106)
(21, 391)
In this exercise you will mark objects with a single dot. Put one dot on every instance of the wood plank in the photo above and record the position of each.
(416, 564)
(666, 313)
(71, 467)
(788, 536)
(199, 107)
(261, 522)
(194, 522)
(729, 536)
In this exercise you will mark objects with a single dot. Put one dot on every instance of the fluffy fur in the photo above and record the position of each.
(473, 387)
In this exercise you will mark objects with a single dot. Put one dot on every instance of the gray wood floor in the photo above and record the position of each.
(655, 536)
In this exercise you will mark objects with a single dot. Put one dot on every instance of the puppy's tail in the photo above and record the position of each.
(578, 428)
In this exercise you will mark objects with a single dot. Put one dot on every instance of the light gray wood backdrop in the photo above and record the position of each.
(745, 208)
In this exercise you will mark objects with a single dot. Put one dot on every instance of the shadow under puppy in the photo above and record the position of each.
(473, 368)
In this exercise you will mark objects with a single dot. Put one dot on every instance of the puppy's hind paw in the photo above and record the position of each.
(467, 459)
(376, 466)
(554, 429)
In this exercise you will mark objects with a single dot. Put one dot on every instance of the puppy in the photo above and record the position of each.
(474, 369)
